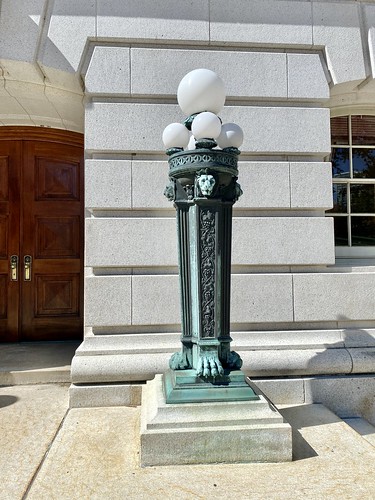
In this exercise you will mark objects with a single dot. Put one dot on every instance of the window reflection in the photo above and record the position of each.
(363, 130)
(340, 163)
(340, 203)
(362, 198)
(363, 231)
(340, 130)
(363, 163)
(341, 231)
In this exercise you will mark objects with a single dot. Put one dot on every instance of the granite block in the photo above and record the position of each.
(284, 391)
(339, 31)
(104, 395)
(266, 22)
(108, 184)
(363, 359)
(146, 194)
(267, 129)
(107, 300)
(357, 337)
(293, 362)
(109, 71)
(131, 242)
(334, 297)
(346, 396)
(121, 368)
(71, 24)
(155, 300)
(311, 185)
(258, 298)
(245, 74)
(153, 19)
(283, 241)
(257, 435)
(264, 185)
(306, 77)
(19, 28)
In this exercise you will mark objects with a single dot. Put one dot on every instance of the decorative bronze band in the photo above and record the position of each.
(203, 158)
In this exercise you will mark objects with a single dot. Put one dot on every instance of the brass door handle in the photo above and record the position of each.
(14, 268)
(27, 260)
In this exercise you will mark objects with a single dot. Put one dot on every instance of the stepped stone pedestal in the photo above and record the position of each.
(212, 432)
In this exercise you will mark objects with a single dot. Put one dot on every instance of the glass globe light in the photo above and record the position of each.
(191, 144)
(231, 136)
(176, 135)
(201, 90)
(206, 125)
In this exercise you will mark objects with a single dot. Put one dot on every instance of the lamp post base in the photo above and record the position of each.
(211, 432)
(184, 386)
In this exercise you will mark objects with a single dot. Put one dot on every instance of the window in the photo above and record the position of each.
(353, 172)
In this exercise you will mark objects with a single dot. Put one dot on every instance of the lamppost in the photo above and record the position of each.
(220, 419)
(203, 186)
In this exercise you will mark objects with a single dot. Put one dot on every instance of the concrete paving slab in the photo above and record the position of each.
(30, 417)
(96, 455)
(36, 363)
(364, 428)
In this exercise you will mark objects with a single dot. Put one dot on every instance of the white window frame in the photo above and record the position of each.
(355, 252)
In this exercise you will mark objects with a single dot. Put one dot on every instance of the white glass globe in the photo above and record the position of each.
(201, 90)
(191, 144)
(206, 125)
(231, 136)
(176, 135)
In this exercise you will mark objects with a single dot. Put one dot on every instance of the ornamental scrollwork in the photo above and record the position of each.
(207, 269)
(216, 157)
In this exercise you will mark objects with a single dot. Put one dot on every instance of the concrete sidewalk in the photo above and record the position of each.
(48, 452)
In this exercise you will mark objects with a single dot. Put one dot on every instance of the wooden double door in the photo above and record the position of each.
(41, 234)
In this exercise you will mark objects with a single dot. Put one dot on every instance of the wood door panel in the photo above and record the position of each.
(57, 295)
(57, 237)
(3, 295)
(47, 266)
(10, 169)
(4, 224)
(4, 178)
(53, 236)
(57, 180)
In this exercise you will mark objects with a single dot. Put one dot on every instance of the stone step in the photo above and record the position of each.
(363, 427)
(36, 363)
(317, 431)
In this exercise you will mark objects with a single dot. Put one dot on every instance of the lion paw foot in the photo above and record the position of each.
(209, 366)
(179, 361)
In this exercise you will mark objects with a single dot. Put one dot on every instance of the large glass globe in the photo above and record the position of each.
(206, 125)
(201, 90)
(231, 136)
(176, 135)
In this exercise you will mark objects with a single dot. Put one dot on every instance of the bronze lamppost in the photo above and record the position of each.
(203, 186)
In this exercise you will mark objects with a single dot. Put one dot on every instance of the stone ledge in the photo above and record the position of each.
(143, 364)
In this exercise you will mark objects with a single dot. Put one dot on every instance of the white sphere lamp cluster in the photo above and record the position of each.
(176, 135)
(201, 96)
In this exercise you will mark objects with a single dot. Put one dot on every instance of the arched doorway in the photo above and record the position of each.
(41, 234)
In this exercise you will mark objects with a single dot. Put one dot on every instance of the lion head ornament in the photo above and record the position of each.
(206, 183)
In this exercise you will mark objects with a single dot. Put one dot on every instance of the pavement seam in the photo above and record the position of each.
(32, 480)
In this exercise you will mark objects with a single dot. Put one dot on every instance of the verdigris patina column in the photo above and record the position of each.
(202, 410)
(203, 186)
